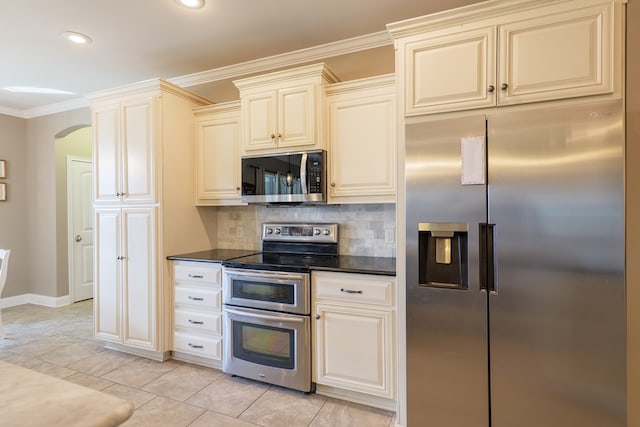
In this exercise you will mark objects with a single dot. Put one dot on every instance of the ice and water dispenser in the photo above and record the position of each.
(442, 254)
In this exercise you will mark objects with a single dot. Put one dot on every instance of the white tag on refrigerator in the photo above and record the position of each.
(473, 160)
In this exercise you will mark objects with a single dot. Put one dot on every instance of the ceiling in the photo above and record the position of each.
(135, 40)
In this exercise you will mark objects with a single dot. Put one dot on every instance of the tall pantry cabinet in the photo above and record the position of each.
(143, 199)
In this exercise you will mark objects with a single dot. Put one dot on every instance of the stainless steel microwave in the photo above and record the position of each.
(298, 177)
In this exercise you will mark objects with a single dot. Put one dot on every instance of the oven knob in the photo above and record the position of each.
(316, 231)
(277, 231)
(269, 230)
(325, 232)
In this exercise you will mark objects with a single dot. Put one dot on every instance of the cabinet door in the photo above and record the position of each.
(362, 141)
(138, 151)
(296, 116)
(354, 349)
(558, 55)
(218, 158)
(139, 277)
(450, 70)
(106, 148)
(259, 121)
(107, 274)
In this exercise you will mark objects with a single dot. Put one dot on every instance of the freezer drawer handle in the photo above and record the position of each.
(487, 258)
(350, 291)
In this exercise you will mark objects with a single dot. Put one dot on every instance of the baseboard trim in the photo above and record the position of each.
(53, 302)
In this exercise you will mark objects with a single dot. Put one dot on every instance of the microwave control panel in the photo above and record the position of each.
(314, 171)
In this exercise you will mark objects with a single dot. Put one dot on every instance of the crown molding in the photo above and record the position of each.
(45, 110)
(296, 57)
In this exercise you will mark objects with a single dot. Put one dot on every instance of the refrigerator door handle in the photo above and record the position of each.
(487, 259)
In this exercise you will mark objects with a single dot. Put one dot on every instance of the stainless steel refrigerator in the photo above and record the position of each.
(515, 268)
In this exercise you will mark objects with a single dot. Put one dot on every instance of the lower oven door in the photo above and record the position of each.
(268, 346)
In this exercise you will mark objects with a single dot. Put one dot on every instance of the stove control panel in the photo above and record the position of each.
(292, 232)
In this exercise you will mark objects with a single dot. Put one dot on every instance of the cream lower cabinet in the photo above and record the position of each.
(361, 125)
(518, 52)
(218, 164)
(353, 320)
(125, 302)
(197, 313)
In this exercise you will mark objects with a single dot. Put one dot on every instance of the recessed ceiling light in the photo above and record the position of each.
(75, 37)
(31, 89)
(193, 4)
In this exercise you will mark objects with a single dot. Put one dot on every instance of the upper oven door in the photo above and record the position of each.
(269, 290)
(284, 178)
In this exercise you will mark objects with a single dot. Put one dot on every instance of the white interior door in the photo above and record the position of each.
(80, 196)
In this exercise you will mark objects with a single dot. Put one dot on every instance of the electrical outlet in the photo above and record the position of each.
(389, 236)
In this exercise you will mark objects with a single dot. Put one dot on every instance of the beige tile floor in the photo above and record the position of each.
(59, 342)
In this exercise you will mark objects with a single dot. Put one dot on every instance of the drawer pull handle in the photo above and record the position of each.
(349, 291)
(195, 298)
(196, 276)
(195, 346)
(196, 322)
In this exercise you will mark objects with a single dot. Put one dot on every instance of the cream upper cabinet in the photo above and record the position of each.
(125, 159)
(282, 111)
(361, 128)
(519, 52)
(218, 173)
(353, 319)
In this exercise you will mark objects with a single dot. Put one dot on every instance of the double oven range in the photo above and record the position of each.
(267, 304)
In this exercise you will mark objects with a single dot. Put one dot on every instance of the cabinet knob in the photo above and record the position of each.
(279, 135)
(237, 188)
(504, 86)
(273, 136)
(491, 88)
(317, 316)
(333, 184)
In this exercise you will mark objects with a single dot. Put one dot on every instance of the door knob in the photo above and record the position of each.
(78, 238)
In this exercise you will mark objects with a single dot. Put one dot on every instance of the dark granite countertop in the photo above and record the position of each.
(213, 255)
(341, 263)
(361, 264)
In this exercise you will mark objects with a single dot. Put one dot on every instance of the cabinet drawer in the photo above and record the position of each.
(203, 346)
(200, 321)
(198, 274)
(207, 298)
(354, 288)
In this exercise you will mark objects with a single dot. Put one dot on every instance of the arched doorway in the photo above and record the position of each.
(73, 154)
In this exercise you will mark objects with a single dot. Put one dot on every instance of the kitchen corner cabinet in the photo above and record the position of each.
(283, 110)
(353, 319)
(361, 128)
(218, 173)
(143, 143)
(519, 52)
(197, 313)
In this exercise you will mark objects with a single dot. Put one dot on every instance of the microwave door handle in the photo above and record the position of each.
(303, 173)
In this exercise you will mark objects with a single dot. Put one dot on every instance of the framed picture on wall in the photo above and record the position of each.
(3, 168)
(3, 191)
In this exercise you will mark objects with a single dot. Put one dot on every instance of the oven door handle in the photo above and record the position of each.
(264, 316)
(265, 276)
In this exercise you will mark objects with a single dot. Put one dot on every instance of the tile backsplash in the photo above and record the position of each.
(364, 230)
